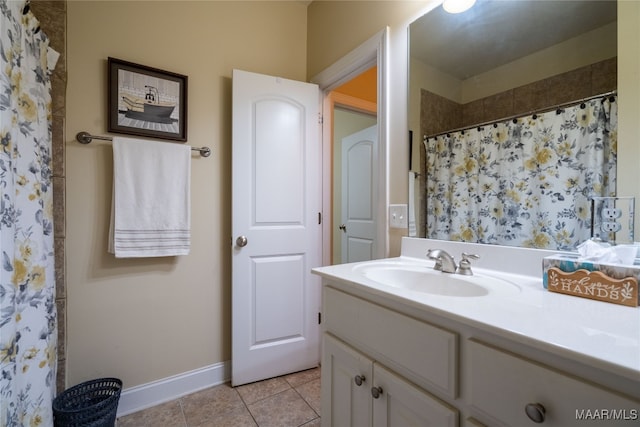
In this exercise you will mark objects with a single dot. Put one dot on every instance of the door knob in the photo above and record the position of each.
(242, 241)
(343, 228)
(359, 379)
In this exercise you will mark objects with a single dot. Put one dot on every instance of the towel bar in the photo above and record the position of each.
(86, 138)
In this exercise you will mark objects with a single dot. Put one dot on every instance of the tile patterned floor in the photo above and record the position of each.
(288, 401)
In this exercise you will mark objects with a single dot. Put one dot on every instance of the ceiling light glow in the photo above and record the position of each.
(457, 6)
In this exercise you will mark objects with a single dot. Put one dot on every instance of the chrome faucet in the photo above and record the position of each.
(444, 261)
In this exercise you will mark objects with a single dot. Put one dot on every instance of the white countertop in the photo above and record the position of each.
(598, 334)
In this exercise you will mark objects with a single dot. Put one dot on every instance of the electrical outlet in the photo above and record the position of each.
(612, 219)
(611, 213)
(611, 226)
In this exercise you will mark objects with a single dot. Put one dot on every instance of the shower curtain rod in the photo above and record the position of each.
(515, 116)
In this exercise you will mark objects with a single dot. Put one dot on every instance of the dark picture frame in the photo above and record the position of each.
(146, 101)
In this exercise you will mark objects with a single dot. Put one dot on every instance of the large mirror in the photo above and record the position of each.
(503, 68)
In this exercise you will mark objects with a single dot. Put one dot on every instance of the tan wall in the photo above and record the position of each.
(338, 27)
(146, 319)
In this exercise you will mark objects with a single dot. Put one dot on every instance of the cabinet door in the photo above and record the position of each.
(400, 403)
(346, 400)
(414, 349)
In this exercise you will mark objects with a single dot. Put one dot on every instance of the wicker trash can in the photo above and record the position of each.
(89, 404)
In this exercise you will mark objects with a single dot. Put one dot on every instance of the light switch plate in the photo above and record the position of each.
(398, 216)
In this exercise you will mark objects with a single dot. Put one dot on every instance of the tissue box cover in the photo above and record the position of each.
(614, 283)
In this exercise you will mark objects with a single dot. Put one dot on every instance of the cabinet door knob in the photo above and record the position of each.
(359, 379)
(535, 412)
(376, 392)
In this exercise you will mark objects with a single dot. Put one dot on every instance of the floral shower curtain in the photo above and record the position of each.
(28, 333)
(525, 182)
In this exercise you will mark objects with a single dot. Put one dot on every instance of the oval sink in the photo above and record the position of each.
(430, 281)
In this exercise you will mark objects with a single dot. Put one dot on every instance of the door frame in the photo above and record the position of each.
(371, 53)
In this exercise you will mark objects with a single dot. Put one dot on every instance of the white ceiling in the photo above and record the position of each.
(495, 32)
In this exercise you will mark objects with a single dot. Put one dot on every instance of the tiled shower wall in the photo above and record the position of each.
(53, 21)
(440, 114)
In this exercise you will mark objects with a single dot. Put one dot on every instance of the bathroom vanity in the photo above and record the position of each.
(494, 348)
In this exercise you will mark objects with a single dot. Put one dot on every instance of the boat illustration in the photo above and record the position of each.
(150, 108)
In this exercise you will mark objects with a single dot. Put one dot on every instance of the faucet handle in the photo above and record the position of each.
(469, 257)
(464, 267)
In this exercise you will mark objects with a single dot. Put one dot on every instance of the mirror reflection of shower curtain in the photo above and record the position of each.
(525, 182)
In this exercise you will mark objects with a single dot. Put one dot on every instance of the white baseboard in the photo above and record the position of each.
(147, 395)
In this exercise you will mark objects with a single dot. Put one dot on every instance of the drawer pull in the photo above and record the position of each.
(376, 392)
(359, 379)
(535, 412)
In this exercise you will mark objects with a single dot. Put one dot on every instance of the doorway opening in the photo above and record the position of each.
(368, 61)
(354, 169)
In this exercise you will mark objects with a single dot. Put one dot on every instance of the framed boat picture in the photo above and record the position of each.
(145, 101)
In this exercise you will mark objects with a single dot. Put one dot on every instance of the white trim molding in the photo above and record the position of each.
(144, 396)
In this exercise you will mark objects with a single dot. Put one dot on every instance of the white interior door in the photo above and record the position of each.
(277, 235)
(359, 195)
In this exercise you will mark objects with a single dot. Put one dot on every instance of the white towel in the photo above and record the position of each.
(150, 214)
